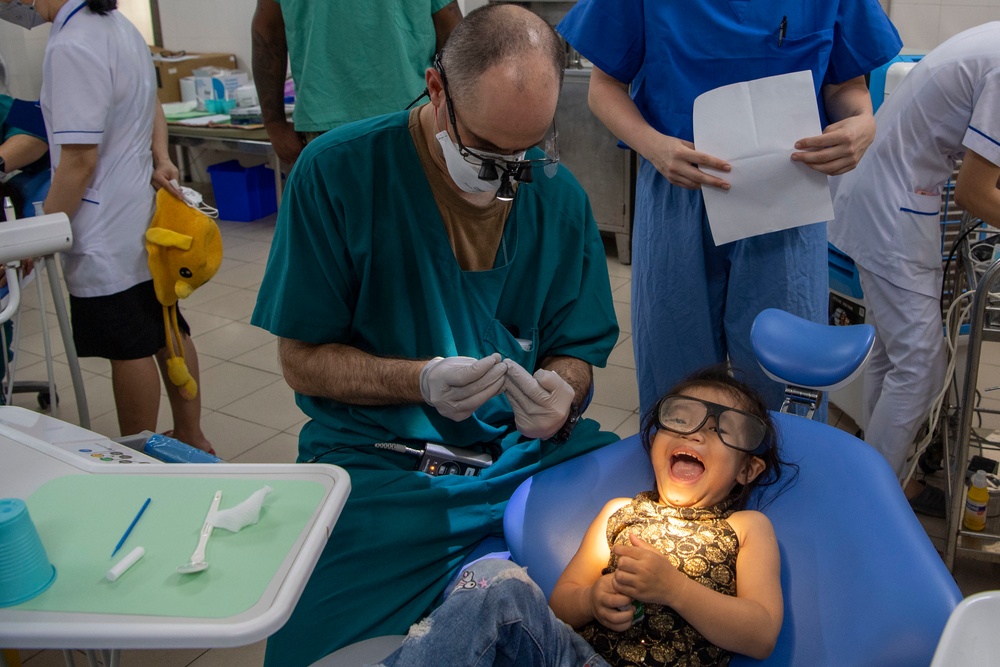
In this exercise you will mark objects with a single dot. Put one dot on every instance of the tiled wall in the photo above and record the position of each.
(923, 24)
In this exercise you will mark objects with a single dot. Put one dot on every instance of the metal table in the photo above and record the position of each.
(249, 142)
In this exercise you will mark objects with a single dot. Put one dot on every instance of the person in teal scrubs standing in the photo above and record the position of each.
(349, 61)
(435, 277)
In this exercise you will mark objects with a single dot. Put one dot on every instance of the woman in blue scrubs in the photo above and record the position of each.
(693, 302)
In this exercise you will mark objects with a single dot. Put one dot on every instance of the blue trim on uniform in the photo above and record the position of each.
(983, 134)
(73, 13)
(910, 210)
(90, 201)
(79, 132)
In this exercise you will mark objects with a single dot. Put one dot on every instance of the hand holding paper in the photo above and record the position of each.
(840, 147)
(754, 126)
(686, 167)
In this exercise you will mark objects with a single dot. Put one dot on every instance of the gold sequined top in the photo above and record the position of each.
(700, 543)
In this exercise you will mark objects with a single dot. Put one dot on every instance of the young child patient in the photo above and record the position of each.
(654, 581)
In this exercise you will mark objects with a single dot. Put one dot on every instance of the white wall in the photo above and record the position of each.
(138, 12)
(22, 52)
(221, 26)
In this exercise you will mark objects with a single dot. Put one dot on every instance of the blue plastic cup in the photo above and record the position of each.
(25, 570)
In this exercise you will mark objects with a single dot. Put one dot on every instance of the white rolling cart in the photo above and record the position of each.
(152, 606)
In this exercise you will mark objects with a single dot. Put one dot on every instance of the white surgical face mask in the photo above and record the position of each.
(22, 15)
(465, 174)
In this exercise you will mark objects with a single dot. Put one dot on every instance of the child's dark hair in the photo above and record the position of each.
(721, 377)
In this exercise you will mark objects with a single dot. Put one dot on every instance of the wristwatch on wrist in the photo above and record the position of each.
(567, 428)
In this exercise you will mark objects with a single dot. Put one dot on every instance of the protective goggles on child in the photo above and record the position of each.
(735, 428)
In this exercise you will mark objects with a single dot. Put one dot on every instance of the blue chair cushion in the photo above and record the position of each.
(795, 351)
(863, 585)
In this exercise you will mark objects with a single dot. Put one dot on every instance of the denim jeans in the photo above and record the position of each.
(495, 615)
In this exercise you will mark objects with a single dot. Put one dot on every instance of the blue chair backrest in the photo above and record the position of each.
(862, 583)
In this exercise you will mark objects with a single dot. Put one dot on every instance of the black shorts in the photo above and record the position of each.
(123, 326)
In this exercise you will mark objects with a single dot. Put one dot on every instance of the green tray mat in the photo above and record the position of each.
(80, 519)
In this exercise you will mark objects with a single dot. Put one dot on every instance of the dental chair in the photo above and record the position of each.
(862, 583)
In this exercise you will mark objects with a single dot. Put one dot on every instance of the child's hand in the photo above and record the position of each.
(643, 572)
(611, 609)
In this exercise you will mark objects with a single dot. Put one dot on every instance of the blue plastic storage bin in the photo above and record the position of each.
(243, 193)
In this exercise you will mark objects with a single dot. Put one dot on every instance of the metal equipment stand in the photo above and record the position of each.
(984, 326)
(67, 336)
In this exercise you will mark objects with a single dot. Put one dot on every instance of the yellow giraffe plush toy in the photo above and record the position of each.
(185, 251)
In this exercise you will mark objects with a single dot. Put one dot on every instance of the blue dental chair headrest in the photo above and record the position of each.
(792, 350)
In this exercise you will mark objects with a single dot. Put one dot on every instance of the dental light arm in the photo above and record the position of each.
(30, 237)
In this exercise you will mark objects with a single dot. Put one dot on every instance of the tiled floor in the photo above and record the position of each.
(250, 414)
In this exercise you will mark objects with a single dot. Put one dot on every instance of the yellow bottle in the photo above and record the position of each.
(976, 502)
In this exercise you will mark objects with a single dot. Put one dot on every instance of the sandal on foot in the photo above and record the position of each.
(930, 501)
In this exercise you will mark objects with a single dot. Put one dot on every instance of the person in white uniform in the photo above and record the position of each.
(108, 141)
(887, 220)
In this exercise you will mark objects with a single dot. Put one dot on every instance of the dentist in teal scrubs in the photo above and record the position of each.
(435, 277)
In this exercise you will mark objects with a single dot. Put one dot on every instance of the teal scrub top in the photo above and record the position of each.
(361, 257)
(356, 60)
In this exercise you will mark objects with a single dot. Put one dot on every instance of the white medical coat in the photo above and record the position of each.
(99, 87)
(949, 102)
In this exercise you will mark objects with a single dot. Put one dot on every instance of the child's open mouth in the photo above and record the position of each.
(686, 467)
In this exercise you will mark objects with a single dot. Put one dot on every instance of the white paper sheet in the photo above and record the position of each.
(754, 125)
(204, 120)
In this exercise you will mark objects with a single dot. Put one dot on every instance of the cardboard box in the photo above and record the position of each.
(172, 66)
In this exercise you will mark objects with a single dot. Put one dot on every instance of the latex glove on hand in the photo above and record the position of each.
(458, 386)
(541, 402)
